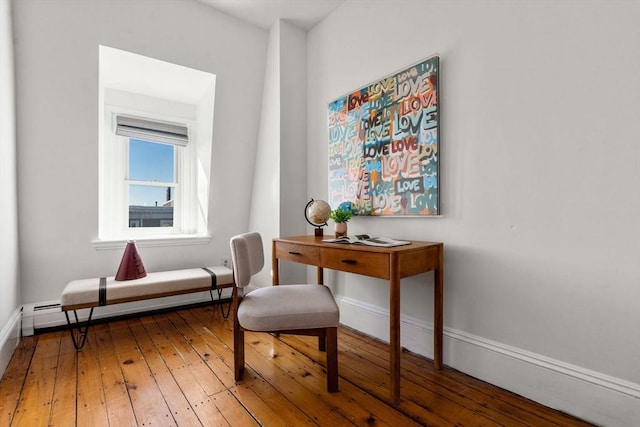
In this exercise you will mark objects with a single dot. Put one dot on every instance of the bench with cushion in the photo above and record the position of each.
(97, 292)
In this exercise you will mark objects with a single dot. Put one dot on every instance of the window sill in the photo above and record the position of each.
(148, 241)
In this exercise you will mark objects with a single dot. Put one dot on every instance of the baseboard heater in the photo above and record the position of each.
(48, 314)
(46, 307)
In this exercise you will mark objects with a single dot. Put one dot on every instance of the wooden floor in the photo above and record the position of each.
(177, 369)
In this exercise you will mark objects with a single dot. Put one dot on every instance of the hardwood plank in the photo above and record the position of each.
(91, 404)
(265, 403)
(146, 398)
(285, 382)
(295, 382)
(216, 354)
(116, 395)
(476, 393)
(414, 382)
(232, 410)
(63, 410)
(491, 397)
(424, 397)
(177, 369)
(178, 404)
(12, 383)
(184, 377)
(202, 375)
(361, 407)
(186, 344)
(34, 407)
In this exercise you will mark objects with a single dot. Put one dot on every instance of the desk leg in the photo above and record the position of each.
(394, 330)
(438, 309)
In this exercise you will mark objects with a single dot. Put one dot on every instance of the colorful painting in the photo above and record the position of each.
(383, 145)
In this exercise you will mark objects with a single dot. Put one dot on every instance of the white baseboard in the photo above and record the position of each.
(590, 395)
(47, 314)
(9, 338)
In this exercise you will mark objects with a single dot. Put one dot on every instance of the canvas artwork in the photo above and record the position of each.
(383, 145)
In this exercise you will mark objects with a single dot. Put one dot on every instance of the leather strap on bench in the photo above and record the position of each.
(102, 292)
(214, 279)
(214, 285)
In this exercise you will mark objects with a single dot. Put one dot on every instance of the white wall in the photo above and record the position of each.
(265, 198)
(539, 180)
(57, 92)
(9, 262)
(293, 149)
(279, 187)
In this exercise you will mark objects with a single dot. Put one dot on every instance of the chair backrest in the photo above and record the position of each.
(247, 257)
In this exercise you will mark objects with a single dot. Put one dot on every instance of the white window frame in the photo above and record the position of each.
(142, 86)
(114, 185)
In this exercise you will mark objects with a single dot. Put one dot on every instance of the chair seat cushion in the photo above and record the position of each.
(288, 307)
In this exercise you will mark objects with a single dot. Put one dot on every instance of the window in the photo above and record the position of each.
(151, 183)
(155, 142)
(148, 178)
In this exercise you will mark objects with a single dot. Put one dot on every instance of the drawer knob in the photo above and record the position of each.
(294, 253)
(349, 261)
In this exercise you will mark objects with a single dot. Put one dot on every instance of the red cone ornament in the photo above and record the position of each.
(131, 266)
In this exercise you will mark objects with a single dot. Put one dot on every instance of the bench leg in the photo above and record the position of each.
(225, 314)
(78, 329)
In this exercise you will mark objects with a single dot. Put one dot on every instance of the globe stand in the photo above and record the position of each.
(318, 222)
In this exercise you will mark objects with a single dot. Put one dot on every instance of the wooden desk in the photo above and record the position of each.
(391, 264)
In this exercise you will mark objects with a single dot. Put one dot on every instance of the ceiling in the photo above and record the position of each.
(264, 13)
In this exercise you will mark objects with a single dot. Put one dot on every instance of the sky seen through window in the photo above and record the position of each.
(150, 161)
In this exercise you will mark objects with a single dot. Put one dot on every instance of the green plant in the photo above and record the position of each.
(341, 215)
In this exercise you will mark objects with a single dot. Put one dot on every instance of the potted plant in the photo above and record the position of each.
(341, 216)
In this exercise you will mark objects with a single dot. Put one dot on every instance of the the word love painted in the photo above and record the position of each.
(383, 144)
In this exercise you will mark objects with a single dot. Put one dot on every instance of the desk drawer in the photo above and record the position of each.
(360, 262)
(298, 253)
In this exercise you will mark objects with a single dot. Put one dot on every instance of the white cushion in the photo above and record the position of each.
(288, 307)
(85, 292)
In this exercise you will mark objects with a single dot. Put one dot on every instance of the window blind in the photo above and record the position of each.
(152, 130)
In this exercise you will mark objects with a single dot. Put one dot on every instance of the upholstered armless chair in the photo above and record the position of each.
(304, 309)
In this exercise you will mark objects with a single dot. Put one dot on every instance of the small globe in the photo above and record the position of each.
(317, 212)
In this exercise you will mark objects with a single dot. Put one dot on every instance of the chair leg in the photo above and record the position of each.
(238, 351)
(331, 336)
